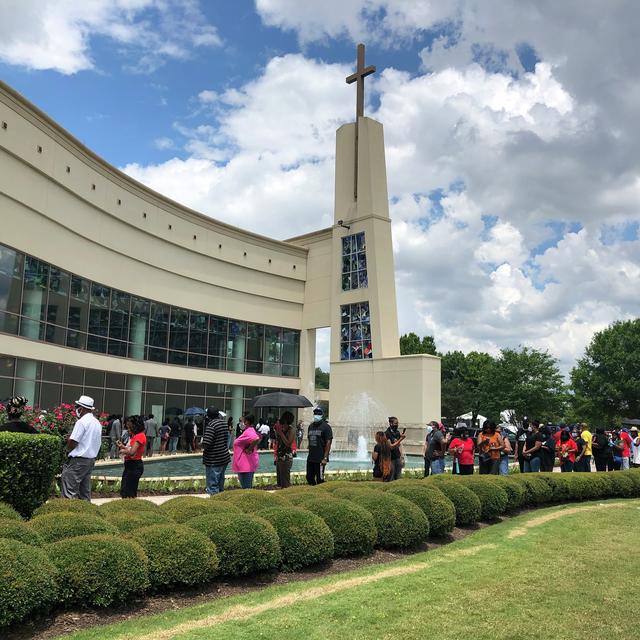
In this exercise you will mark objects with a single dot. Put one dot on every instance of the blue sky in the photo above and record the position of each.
(510, 130)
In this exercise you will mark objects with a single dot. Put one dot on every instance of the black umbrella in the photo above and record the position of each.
(283, 400)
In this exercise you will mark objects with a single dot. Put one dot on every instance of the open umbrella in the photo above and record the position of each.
(283, 400)
(194, 411)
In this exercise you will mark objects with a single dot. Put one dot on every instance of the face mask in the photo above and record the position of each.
(78, 412)
(529, 429)
(317, 418)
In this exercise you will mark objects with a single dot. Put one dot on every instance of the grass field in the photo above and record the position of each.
(560, 573)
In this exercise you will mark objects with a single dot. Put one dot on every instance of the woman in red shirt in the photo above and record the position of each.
(133, 450)
(461, 447)
(567, 449)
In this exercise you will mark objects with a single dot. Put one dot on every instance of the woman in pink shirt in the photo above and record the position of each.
(245, 453)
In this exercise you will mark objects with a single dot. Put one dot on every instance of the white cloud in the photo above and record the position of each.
(163, 143)
(56, 34)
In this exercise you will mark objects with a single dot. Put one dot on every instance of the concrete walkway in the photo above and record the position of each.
(154, 499)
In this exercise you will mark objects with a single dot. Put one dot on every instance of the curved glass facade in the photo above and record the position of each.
(42, 302)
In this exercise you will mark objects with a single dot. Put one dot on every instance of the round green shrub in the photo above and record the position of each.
(29, 467)
(347, 484)
(399, 522)
(245, 543)
(28, 581)
(349, 492)
(58, 526)
(251, 500)
(634, 476)
(436, 506)
(128, 505)
(7, 511)
(305, 539)
(353, 527)
(466, 502)
(65, 505)
(126, 522)
(621, 485)
(537, 491)
(184, 508)
(99, 569)
(19, 530)
(493, 498)
(178, 555)
(514, 490)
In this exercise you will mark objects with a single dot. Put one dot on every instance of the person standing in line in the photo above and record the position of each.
(567, 450)
(151, 431)
(626, 450)
(115, 434)
(581, 447)
(635, 448)
(437, 448)
(15, 409)
(230, 429)
(320, 437)
(133, 465)
(215, 450)
(585, 457)
(547, 450)
(165, 435)
(395, 439)
(245, 454)
(602, 456)
(188, 435)
(381, 456)
(521, 440)
(462, 449)
(285, 442)
(264, 431)
(505, 453)
(490, 445)
(532, 448)
(240, 426)
(425, 450)
(83, 447)
(299, 433)
(616, 446)
(176, 432)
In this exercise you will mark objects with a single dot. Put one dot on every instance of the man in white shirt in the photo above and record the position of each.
(635, 448)
(83, 447)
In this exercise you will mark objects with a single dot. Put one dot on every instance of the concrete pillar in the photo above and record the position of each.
(307, 370)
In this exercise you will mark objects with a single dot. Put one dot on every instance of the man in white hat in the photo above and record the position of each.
(83, 447)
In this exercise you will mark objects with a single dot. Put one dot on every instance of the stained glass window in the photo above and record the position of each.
(355, 331)
(354, 262)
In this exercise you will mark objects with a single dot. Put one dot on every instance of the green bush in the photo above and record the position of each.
(19, 530)
(126, 522)
(436, 506)
(537, 490)
(58, 526)
(64, 505)
(245, 543)
(466, 502)
(251, 500)
(29, 466)
(184, 508)
(354, 530)
(399, 522)
(304, 537)
(28, 581)
(128, 505)
(621, 485)
(99, 569)
(515, 492)
(178, 555)
(493, 498)
(347, 493)
(7, 511)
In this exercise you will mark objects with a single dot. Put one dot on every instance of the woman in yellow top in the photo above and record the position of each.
(490, 444)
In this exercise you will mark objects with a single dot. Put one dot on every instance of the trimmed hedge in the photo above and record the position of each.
(99, 569)
(178, 555)
(58, 526)
(19, 530)
(126, 522)
(399, 522)
(514, 490)
(305, 539)
(466, 502)
(7, 511)
(29, 466)
(347, 493)
(353, 527)
(128, 505)
(251, 500)
(436, 506)
(245, 543)
(493, 498)
(537, 491)
(64, 505)
(184, 508)
(29, 581)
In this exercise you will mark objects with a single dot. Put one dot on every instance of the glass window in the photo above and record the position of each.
(50, 394)
(355, 332)
(354, 262)
(198, 332)
(70, 393)
(159, 325)
(115, 381)
(52, 372)
(119, 316)
(236, 345)
(78, 312)
(58, 301)
(179, 330)
(113, 401)
(217, 342)
(93, 378)
(98, 317)
(156, 384)
(255, 347)
(6, 387)
(36, 282)
(11, 270)
(176, 387)
(7, 366)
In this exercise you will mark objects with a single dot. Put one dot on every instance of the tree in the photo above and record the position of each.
(322, 379)
(606, 380)
(410, 344)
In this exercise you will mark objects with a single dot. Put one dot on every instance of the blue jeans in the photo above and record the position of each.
(531, 465)
(246, 479)
(437, 466)
(215, 478)
(173, 443)
(504, 466)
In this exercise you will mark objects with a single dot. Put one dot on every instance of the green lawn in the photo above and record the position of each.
(575, 576)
